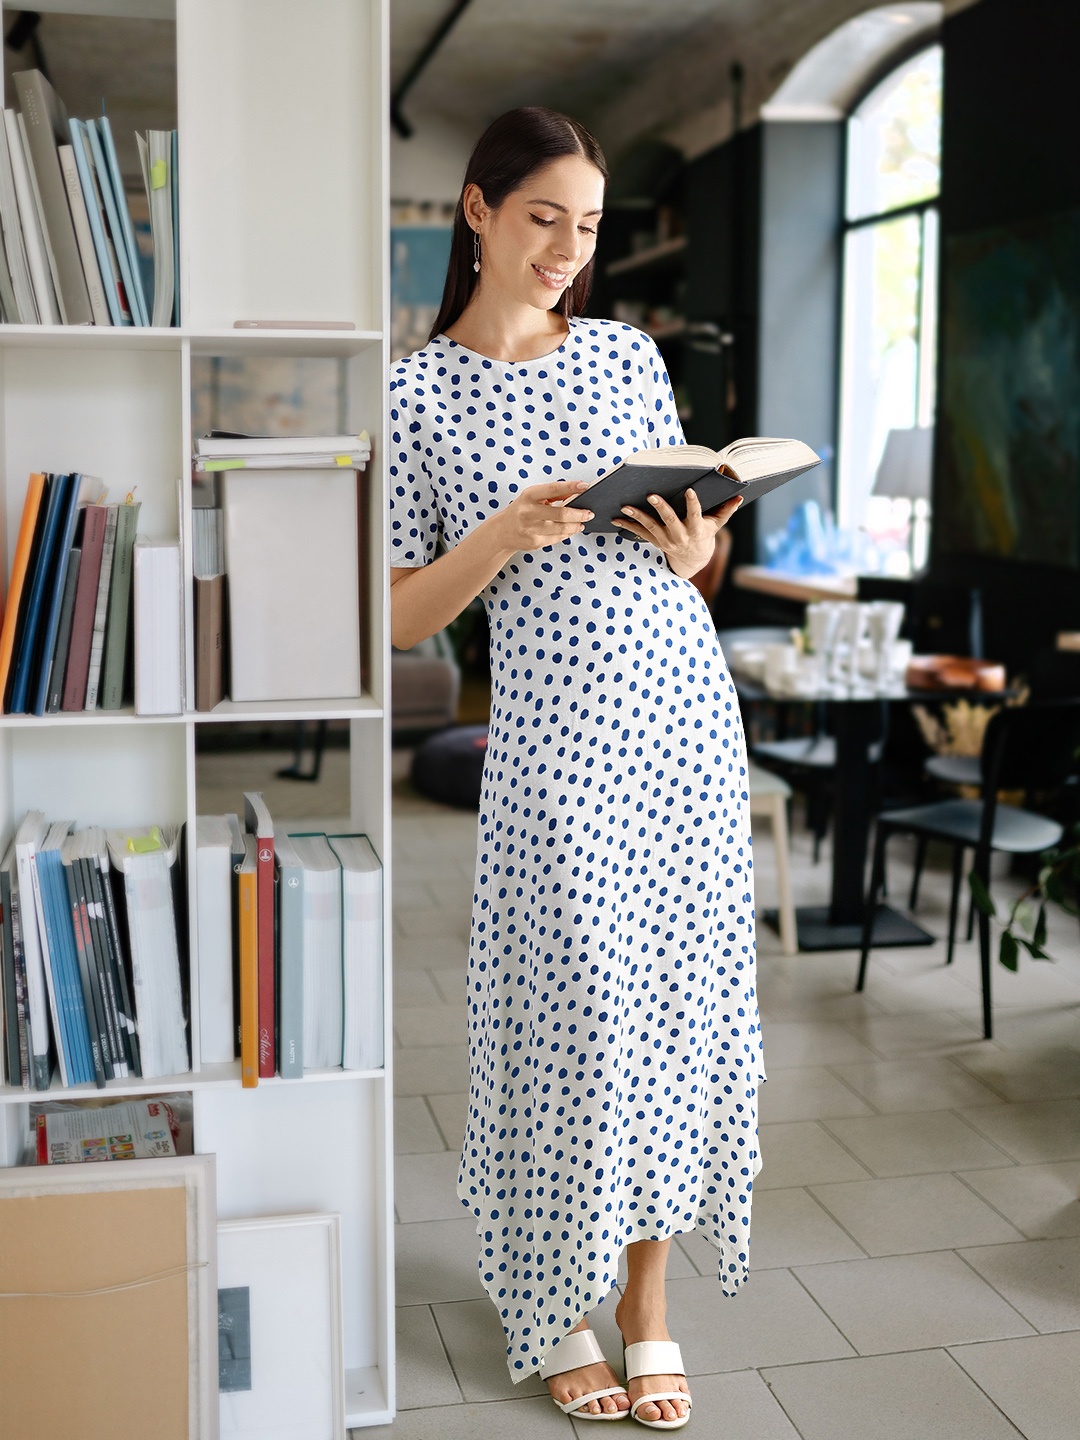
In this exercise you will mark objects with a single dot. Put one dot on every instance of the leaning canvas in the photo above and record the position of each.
(108, 1300)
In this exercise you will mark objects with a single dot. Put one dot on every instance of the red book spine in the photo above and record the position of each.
(42, 1140)
(82, 620)
(264, 872)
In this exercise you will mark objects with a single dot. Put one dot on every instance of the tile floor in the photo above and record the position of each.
(916, 1252)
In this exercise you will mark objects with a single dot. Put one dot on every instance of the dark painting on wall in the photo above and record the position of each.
(1008, 481)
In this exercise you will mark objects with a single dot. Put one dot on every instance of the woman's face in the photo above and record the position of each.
(542, 235)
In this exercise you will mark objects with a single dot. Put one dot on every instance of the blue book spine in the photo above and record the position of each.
(113, 216)
(55, 599)
(81, 147)
(35, 604)
(64, 1046)
(113, 178)
(65, 966)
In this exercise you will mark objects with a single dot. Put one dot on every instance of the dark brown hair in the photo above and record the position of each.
(510, 150)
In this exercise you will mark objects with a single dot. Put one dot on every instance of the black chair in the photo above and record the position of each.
(1032, 748)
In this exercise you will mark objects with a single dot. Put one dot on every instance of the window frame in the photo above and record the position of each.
(927, 211)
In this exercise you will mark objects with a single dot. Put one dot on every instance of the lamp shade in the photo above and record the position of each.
(904, 471)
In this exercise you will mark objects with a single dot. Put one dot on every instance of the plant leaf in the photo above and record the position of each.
(981, 895)
(1039, 933)
(1009, 951)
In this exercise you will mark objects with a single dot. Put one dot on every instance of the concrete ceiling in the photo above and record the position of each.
(628, 68)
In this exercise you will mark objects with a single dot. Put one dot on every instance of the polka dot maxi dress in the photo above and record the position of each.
(613, 1024)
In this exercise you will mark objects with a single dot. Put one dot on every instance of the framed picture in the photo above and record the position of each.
(281, 1365)
(108, 1286)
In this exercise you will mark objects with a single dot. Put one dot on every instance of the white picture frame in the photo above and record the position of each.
(292, 1379)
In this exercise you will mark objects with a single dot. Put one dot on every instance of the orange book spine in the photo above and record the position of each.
(19, 566)
(249, 975)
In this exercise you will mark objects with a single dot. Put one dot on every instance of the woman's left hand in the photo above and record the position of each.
(688, 544)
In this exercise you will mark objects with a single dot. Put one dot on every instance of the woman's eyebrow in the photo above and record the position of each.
(556, 206)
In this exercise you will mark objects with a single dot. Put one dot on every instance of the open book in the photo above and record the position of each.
(749, 468)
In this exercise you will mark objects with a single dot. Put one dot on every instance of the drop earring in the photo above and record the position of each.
(476, 250)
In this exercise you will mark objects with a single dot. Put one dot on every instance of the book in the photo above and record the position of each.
(155, 156)
(105, 921)
(258, 822)
(123, 215)
(361, 959)
(101, 609)
(749, 467)
(125, 1130)
(235, 445)
(95, 519)
(31, 832)
(93, 995)
(20, 565)
(111, 278)
(46, 125)
(14, 248)
(79, 493)
(12, 1059)
(9, 306)
(115, 214)
(72, 1048)
(213, 909)
(291, 559)
(63, 633)
(290, 929)
(144, 861)
(354, 459)
(56, 505)
(158, 628)
(323, 989)
(22, 1002)
(80, 217)
(174, 189)
(78, 854)
(248, 912)
(37, 259)
(119, 613)
(209, 640)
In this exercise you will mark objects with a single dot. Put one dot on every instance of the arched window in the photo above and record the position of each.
(888, 342)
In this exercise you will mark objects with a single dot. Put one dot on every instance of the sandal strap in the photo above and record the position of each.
(653, 1357)
(581, 1347)
(660, 1395)
(569, 1406)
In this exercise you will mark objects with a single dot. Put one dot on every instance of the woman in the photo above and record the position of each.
(614, 1043)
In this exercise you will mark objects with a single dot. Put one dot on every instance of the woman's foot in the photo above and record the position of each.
(583, 1381)
(650, 1324)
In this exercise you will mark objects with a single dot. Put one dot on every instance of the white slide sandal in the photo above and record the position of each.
(656, 1357)
(580, 1347)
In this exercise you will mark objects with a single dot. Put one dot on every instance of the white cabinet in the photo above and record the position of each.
(282, 108)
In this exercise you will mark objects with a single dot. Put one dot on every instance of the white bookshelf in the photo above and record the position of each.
(282, 113)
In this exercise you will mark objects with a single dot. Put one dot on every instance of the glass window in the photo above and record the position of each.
(889, 321)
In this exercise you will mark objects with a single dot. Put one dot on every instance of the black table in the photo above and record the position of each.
(839, 925)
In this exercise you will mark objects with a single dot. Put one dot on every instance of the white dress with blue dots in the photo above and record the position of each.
(613, 1022)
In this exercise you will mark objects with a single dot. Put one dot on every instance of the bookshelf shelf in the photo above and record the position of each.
(283, 213)
(662, 254)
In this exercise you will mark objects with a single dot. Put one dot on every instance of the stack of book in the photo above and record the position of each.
(232, 450)
(64, 638)
(90, 955)
(69, 254)
(290, 950)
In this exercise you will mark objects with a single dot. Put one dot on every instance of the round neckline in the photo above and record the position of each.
(535, 360)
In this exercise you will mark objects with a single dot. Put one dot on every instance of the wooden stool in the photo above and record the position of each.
(769, 796)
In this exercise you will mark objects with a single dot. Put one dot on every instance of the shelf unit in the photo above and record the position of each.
(283, 215)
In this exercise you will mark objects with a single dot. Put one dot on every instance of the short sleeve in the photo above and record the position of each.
(414, 515)
(665, 427)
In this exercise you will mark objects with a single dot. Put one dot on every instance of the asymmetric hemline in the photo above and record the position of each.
(615, 1048)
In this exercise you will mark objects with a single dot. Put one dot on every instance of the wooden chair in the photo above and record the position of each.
(769, 795)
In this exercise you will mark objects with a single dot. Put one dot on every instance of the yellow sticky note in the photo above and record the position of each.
(222, 465)
(343, 460)
(159, 174)
(145, 844)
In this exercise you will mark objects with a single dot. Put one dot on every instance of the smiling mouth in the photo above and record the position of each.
(554, 279)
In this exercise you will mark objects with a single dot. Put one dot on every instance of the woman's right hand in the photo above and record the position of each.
(540, 516)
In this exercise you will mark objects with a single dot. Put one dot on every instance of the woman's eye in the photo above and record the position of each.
(541, 221)
(586, 230)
